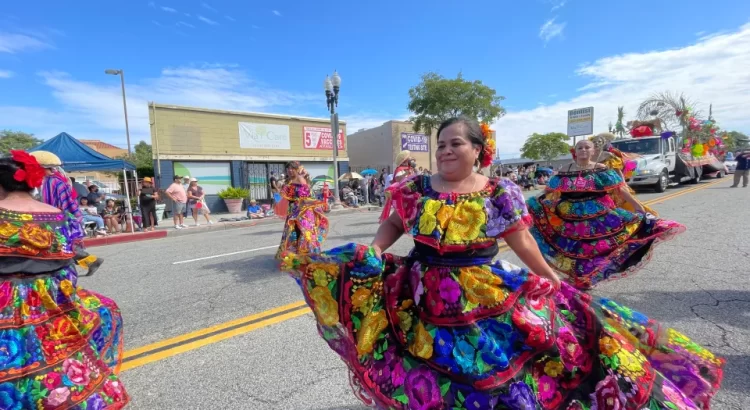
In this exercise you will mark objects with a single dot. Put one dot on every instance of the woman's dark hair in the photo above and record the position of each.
(8, 168)
(292, 165)
(473, 132)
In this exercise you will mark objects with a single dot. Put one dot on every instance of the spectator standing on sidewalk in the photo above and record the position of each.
(743, 169)
(148, 197)
(178, 195)
(196, 204)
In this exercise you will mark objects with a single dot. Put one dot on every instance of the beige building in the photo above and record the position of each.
(378, 147)
(230, 148)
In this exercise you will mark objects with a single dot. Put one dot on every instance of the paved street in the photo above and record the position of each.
(217, 288)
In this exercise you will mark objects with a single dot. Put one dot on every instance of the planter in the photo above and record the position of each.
(160, 208)
(234, 206)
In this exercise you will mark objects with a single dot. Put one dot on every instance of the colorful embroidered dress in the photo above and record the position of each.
(60, 346)
(584, 232)
(306, 224)
(448, 328)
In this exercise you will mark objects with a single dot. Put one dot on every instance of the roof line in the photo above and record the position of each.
(243, 113)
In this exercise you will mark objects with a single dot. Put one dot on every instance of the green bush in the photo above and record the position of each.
(234, 193)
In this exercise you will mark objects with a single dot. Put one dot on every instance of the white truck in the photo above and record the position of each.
(661, 164)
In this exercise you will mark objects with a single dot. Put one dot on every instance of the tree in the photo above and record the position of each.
(17, 140)
(437, 98)
(142, 156)
(619, 127)
(672, 109)
(735, 140)
(545, 146)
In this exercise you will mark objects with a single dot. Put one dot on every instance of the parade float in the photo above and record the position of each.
(663, 158)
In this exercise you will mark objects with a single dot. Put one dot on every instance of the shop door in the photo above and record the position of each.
(256, 175)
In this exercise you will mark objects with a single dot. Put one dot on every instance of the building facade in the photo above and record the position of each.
(107, 180)
(240, 149)
(378, 147)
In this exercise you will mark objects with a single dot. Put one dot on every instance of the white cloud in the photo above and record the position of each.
(6, 74)
(13, 43)
(168, 9)
(558, 4)
(183, 24)
(207, 20)
(713, 70)
(187, 14)
(365, 120)
(550, 29)
(255, 27)
(207, 7)
(89, 108)
(230, 18)
(276, 13)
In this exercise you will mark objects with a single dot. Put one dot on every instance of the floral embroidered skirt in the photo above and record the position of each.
(60, 348)
(591, 239)
(493, 337)
(305, 229)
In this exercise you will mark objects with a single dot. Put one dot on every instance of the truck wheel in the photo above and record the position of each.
(663, 183)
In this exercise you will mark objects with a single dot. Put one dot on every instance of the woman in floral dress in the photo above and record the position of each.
(448, 328)
(306, 225)
(60, 345)
(588, 224)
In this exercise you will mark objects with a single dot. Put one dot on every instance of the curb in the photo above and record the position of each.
(123, 238)
(217, 226)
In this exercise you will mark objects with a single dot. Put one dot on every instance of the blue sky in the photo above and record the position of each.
(544, 56)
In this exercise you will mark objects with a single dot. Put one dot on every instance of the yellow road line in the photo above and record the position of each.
(211, 339)
(212, 329)
(184, 344)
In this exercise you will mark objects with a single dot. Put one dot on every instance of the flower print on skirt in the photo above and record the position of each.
(586, 233)
(62, 347)
(493, 337)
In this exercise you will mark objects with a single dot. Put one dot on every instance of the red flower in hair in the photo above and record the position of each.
(573, 152)
(30, 171)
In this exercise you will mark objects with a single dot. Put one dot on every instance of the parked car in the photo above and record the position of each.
(731, 165)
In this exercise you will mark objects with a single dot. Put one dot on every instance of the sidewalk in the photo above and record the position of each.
(220, 222)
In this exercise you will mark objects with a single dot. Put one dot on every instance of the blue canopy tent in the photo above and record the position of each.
(77, 156)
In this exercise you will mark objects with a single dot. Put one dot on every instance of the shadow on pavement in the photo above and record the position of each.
(735, 373)
(250, 269)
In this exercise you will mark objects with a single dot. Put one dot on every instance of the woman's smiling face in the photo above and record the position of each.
(455, 154)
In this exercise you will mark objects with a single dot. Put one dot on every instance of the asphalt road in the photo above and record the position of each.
(171, 287)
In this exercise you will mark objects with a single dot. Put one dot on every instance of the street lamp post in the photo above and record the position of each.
(124, 103)
(332, 85)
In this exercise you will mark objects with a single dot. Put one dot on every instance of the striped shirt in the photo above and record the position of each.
(58, 193)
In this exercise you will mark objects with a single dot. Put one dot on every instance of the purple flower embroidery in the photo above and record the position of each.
(520, 396)
(422, 389)
(449, 290)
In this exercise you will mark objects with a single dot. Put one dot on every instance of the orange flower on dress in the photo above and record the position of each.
(422, 344)
(481, 286)
(609, 345)
(34, 236)
(7, 230)
(362, 300)
(372, 326)
(444, 216)
(325, 307)
(555, 221)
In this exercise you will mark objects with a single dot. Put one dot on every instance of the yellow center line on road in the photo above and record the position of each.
(190, 341)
